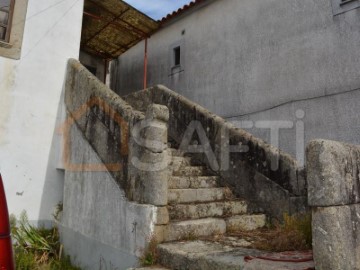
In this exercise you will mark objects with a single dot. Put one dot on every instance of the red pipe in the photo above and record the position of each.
(145, 64)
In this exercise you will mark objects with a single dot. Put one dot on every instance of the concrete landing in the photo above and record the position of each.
(205, 255)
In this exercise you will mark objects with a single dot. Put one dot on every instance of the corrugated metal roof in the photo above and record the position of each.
(181, 10)
(111, 27)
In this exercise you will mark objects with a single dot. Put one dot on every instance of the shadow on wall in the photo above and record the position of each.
(53, 188)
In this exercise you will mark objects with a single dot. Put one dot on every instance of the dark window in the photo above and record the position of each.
(6, 10)
(177, 54)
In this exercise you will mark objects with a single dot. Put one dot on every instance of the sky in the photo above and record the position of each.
(157, 9)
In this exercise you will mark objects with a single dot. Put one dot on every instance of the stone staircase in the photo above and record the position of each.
(202, 213)
(199, 206)
(186, 207)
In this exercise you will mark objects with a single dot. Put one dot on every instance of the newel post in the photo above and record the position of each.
(149, 158)
(333, 173)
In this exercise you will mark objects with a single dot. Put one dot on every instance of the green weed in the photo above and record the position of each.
(37, 248)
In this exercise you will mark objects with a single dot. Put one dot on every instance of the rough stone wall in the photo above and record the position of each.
(103, 117)
(333, 194)
(99, 225)
(112, 205)
(250, 175)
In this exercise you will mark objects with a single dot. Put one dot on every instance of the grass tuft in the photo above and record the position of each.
(150, 255)
(37, 248)
(293, 234)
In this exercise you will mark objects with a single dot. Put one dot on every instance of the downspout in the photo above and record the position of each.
(145, 63)
(106, 62)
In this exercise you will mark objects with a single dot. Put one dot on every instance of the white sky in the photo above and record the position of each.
(157, 9)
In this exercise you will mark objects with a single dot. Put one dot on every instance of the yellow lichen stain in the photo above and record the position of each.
(7, 82)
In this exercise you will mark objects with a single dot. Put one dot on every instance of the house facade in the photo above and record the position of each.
(293, 64)
(39, 37)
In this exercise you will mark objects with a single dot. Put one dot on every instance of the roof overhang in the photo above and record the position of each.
(111, 27)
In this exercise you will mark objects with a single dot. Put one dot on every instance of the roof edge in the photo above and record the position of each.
(181, 11)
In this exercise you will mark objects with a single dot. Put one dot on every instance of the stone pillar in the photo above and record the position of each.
(333, 193)
(149, 158)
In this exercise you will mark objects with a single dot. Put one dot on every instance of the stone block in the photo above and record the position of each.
(336, 237)
(162, 216)
(178, 182)
(196, 195)
(245, 222)
(157, 111)
(333, 173)
(195, 228)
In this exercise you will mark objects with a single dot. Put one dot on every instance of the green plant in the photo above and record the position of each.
(57, 211)
(300, 223)
(40, 242)
(37, 248)
(150, 255)
(293, 234)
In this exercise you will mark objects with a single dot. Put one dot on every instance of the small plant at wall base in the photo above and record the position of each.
(150, 254)
(37, 248)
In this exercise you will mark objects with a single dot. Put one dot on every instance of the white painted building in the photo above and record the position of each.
(254, 61)
(44, 34)
(37, 37)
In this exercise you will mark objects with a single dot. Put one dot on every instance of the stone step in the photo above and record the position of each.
(245, 222)
(204, 210)
(192, 171)
(175, 152)
(209, 255)
(177, 196)
(181, 182)
(192, 229)
(178, 162)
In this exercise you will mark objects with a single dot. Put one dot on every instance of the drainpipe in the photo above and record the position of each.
(106, 62)
(145, 63)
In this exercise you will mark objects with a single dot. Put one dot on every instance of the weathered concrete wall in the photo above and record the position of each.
(116, 190)
(122, 137)
(333, 193)
(100, 226)
(249, 174)
(30, 91)
(251, 60)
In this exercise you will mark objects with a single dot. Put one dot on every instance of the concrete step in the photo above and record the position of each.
(177, 196)
(245, 222)
(182, 182)
(192, 171)
(204, 210)
(209, 255)
(192, 229)
(178, 162)
(175, 152)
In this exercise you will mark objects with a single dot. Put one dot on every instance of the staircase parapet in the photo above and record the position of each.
(131, 144)
(250, 174)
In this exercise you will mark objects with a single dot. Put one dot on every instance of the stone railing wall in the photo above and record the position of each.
(333, 171)
(108, 124)
(250, 175)
(116, 174)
